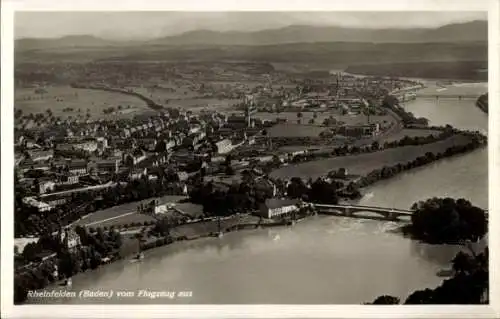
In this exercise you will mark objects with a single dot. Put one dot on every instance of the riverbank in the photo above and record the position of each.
(482, 103)
(364, 164)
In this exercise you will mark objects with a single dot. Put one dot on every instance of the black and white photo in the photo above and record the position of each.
(250, 158)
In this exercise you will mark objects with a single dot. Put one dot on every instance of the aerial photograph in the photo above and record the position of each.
(278, 157)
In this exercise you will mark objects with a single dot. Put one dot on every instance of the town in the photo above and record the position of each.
(131, 158)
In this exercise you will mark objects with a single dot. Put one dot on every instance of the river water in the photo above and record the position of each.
(322, 260)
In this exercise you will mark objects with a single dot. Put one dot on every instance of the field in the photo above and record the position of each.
(321, 116)
(126, 213)
(410, 133)
(291, 117)
(191, 209)
(295, 130)
(365, 163)
(184, 97)
(162, 93)
(59, 98)
(211, 104)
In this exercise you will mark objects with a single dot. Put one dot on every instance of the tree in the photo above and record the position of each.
(162, 227)
(323, 192)
(297, 188)
(276, 162)
(229, 170)
(228, 160)
(299, 117)
(444, 220)
(418, 297)
(18, 113)
(20, 289)
(463, 263)
(386, 300)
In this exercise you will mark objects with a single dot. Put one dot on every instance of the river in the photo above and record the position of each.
(322, 260)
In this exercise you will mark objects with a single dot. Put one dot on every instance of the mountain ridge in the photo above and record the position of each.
(474, 31)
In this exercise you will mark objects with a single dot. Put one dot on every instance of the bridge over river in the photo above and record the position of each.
(365, 212)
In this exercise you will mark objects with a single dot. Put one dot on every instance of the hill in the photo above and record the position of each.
(334, 55)
(453, 33)
(71, 41)
(464, 32)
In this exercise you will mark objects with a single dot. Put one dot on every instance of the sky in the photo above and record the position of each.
(137, 25)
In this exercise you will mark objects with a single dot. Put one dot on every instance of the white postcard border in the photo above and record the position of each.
(244, 311)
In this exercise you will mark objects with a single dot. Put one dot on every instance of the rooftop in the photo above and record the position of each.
(272, 203)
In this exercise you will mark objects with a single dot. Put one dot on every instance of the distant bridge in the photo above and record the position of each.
(365, 212)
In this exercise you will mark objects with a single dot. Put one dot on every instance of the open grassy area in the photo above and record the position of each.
(295, 130)
(365, 163)
(184, 97)
(61, 97)
(191, 209)
(211, 104)
(120, 221)
(291, 117)
(163, 93)
(124, 214)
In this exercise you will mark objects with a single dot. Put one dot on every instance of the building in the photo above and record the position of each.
(239, 121)
(108, 165)
(18, 158)
(275, 207)
(39, 155)
(183, 176)
(138, 173)
(102, 143)
(360, 130)
(87, 146)
(78, 167)
(68, 180)
(135, 158)
(69, 238)
(41, 206)
(224, 146)
(46, 186)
